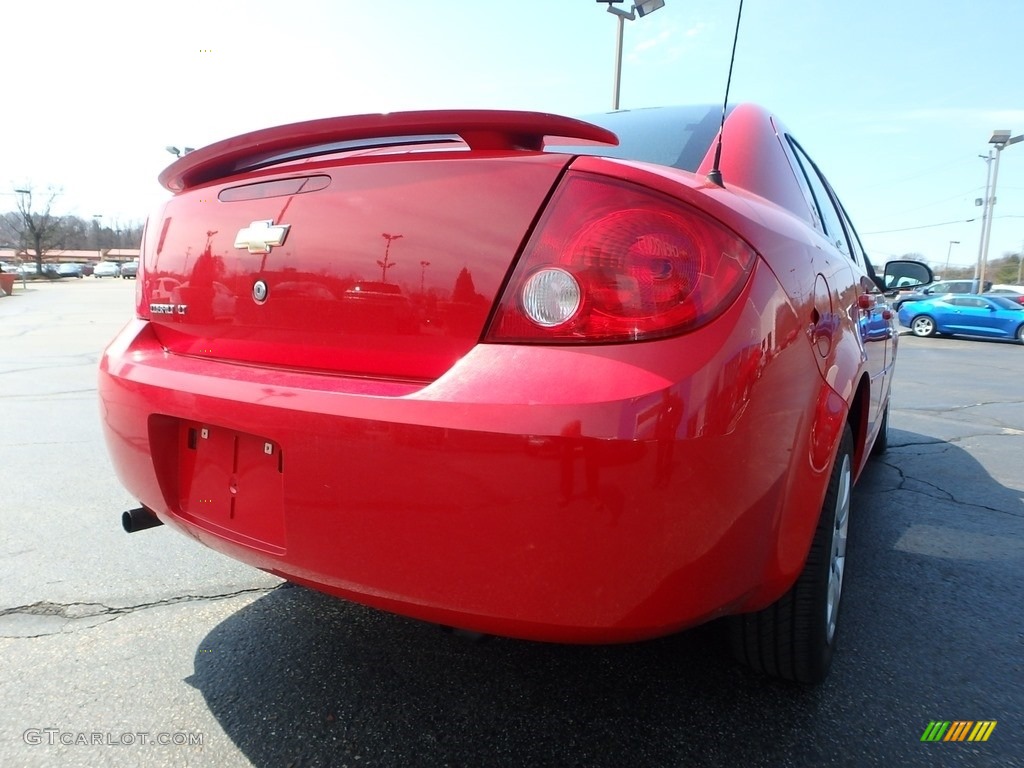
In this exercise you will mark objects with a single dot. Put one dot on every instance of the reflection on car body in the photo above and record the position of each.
(985, 315)
(938, 288)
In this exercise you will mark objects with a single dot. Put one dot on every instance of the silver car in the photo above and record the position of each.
(106, 269)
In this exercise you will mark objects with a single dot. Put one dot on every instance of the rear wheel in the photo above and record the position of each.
(1020, 334)
(922, 325)
(794, 638)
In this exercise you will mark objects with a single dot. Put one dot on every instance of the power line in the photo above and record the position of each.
(923, 226)
(940, 224)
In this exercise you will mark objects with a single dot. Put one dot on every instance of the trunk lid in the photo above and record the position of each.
(320, 246)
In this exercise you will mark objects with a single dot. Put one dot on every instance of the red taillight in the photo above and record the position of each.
(610, 261)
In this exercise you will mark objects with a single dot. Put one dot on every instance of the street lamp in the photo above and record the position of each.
(96, 224)
(423, 275)
(385, 265)
(949, 251)
(1001, 140)
(640, 9)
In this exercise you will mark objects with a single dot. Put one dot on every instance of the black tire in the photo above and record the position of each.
(795, 637)
(882, 440)
(1020, 334)
(922, 326)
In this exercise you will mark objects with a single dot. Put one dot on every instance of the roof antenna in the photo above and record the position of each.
(715, 174)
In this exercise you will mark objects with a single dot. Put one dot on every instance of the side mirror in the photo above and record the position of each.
(904, 273)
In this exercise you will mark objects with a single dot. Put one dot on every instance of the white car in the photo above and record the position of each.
(106, 269)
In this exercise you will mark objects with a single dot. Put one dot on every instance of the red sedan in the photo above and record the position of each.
(513, 372)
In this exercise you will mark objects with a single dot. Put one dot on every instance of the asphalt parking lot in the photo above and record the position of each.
(112, 644)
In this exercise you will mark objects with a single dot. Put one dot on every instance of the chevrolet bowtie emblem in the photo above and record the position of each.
(261, 236)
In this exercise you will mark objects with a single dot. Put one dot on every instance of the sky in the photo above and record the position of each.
(894, 99)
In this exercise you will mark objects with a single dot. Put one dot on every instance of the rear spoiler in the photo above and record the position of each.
(480, 129)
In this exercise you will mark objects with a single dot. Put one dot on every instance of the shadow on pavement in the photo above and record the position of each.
(298, 678)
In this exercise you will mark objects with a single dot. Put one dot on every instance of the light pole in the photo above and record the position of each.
(640, 9)
(949, 251)
(385, 265)
(423, 275)
(1001, 140)
(983, 202)
(96, 223)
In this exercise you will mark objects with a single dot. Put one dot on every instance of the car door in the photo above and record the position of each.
(976, 316)
(864, 300)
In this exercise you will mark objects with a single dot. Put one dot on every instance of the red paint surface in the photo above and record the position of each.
(368, 443)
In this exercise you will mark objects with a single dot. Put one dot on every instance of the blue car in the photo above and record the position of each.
(994, 317)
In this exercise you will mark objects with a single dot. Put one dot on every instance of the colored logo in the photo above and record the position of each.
(958, 730)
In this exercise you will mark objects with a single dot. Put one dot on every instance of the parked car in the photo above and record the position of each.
(630, 398)
(31, 270)
(972, 315)
(69, 270)
(130, 269)
(106, 269)
(1012, 292)
(86, 268)
(938, 288)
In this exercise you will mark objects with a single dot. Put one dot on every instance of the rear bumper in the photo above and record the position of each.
(600, 501)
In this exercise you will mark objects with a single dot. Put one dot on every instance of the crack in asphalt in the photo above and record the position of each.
(74, 361)
(45, 395)
(965, 406)
(904, 478)
(81, 611)
(1003, 432)
(922, 442)
(942, 494)
(49, 442)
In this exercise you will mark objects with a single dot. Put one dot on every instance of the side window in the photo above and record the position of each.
(830, 216)
(801, 179)
(856, 249)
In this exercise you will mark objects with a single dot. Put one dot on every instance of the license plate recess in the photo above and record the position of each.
(232, 481)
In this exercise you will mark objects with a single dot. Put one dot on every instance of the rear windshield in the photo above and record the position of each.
(678, 137)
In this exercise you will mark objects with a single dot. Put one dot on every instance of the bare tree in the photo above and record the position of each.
(9, 236)
(76, 233)
(41, 231)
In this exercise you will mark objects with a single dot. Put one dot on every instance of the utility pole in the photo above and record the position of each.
(949, 251)
(984, 214)
(386, 264)
(1001, 140)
